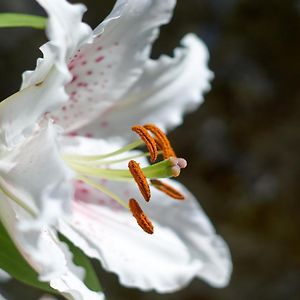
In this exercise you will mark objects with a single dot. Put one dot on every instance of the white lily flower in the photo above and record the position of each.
(35, 184)
(95, 87)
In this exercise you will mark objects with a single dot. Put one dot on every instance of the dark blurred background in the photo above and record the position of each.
(242, 145)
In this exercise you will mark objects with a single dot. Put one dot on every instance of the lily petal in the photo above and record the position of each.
(66, 32)
(105, 230)
(111, 235)
(70, 283)
(36, 174)
(168, 88)
(197, 233)
(166, 261)
(43, 89)
(104, 70)
(4, 276)
(50, 258)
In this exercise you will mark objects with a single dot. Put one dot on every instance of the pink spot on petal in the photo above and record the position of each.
(82, 84)
(104, 124)
(89, 72)
(73, 133)
(75, 77)
(89, 135)
(99, 58)
(84, 191)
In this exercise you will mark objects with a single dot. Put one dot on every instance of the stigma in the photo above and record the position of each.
(165, 164)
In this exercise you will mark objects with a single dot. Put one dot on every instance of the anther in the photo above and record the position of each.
(162, 140)
(148, 140)
(176, 165)
(140, 216)
(167, 189)
(159, 145)
(140, 179)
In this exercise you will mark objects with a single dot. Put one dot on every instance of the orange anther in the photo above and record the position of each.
(140, 216)
(162, 141)
(148, 140)
(140, 179)
(167, 189)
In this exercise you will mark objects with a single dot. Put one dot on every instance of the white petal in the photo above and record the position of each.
(70, 283)
(66, 33)
(43, 88)
(184, 244)
(49, 257)
(1, 297)
(111, 235)
(104, 70)
(196, 231)
(168, 88)
(36, 173)
(36, 176)
(4, 276)
(20, 112)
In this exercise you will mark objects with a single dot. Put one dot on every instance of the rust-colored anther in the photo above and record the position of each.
(140, 179)
(148, 140)
(167, 189)
(159, 145)
(140, 216)
(162, 141)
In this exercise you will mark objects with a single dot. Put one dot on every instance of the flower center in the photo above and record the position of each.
(89, 168)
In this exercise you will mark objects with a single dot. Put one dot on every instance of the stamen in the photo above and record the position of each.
(102, 189)
(162, 141)
(148, 140)
(159, 145)
(140, 216)
(167, 189)
(140, 179)
(94, 158)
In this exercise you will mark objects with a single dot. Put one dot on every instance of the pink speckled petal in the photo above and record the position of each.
(168, 88)
(104, 70)
(43, 89)
(184, 244)
(110, 233)
(105, 230)
(66, 33)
